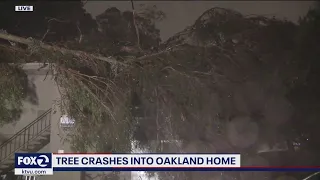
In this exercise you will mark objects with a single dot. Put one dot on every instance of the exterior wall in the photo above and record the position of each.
(57, 142)
(44, 87)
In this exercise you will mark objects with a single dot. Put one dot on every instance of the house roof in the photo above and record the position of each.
(36, 68)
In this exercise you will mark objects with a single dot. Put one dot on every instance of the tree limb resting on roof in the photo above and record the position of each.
(29, 41)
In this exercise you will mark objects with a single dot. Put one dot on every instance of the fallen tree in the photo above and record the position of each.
(218, 86)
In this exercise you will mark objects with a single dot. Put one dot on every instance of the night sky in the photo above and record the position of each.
(181, 14)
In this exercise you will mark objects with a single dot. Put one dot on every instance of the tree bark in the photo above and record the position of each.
(25, 41)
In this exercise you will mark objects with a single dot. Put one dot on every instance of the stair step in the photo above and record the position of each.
(8, 163)
(34, 143)
(27, 150)
(42, 137)
(3, 166)
(45, 133)
(11, 158)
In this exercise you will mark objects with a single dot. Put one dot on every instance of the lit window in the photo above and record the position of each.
(66, 122)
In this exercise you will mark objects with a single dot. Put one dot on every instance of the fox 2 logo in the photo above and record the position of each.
(33, 160)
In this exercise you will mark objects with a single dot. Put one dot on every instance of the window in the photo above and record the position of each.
(66, 122)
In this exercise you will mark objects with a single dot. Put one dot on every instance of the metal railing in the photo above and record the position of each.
(22, 138)
(31, 177)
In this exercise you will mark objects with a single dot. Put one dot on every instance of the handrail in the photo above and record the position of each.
(29, 125)
(4, 153)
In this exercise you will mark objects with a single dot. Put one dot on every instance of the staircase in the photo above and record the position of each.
(31, 138)
(11, 176)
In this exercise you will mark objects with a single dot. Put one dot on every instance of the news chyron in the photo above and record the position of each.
(23, 8)
(33, 164)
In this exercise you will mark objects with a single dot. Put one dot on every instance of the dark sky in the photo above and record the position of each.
(183, 13)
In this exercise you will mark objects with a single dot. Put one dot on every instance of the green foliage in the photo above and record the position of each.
(109, 130)
(188, 88)
(305, 94)
(13, 85)
(117, 36)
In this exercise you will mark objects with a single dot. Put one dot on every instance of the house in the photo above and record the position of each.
(38, 129)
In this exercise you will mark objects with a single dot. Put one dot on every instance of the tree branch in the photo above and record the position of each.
(135, 25)
(25, 41)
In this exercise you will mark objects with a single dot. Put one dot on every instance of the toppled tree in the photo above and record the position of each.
(218, 86)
